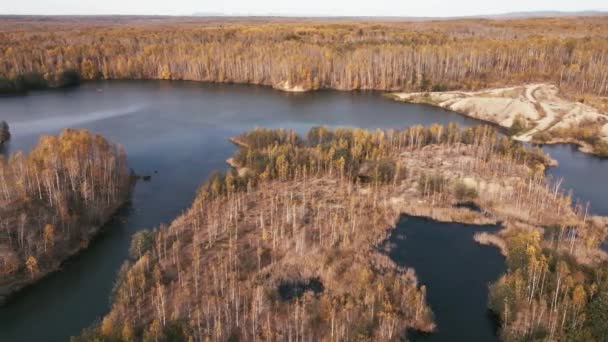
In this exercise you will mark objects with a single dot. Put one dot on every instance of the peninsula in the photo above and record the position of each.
(531, 113)
(54, 200)
(288, 244)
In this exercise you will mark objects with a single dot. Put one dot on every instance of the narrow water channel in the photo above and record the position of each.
(585, 174)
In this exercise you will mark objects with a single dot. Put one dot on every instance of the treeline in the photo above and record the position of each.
(54, 199)
(22, 83)
(462, 54)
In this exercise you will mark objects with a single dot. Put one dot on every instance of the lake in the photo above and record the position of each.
(177, 132)
(456, 271)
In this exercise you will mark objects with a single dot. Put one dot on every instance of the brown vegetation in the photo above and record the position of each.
(313, 54)
(288, 247)
(587, 133)
(53, 200)
(547, 293)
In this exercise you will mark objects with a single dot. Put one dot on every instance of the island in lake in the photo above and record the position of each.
(287, 244)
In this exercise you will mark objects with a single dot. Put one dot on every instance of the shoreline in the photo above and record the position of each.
(9, 290)
(93, 206)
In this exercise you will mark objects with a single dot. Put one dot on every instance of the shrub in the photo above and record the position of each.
(601, 148)
(32, 81)
(141, 243)
(543, 137)
(430, 184)
(597, 313)
(7, 86)
(463, 192)
(519, 125)
(67, 78)
(439, 87)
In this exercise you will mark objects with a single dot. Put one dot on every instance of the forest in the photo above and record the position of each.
(548, 294)
(285, 246)
(299, 54)
(53, 200)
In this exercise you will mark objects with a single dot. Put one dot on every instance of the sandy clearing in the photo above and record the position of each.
(539, 104)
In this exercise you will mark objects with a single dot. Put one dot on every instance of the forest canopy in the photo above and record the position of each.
(54, 199)
(310, 54)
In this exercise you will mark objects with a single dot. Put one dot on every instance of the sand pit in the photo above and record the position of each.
(539, 106)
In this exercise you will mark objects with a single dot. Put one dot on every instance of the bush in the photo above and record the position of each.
(319, 136)
(425, 85)
(430, 184)
(141, 242)
(68, 78)
(597, 313)
(7, 86)
(463, 192)
(31, 81)
(439, 87)
(601, 148)
(384, 171)
(587, 131)
(519, 125)
(36, 81)
(543, 137)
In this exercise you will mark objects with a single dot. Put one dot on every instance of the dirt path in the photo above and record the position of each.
(548, 116)
(539, 105)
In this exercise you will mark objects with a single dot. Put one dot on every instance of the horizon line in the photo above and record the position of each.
(515, 14)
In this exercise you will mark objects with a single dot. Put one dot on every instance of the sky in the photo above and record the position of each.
(408, 8)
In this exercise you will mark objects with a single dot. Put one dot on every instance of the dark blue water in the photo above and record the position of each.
(179, 129)
(456, 271)
(585, 174)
